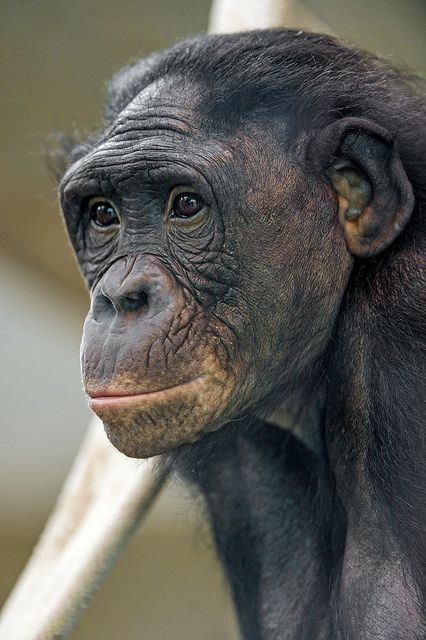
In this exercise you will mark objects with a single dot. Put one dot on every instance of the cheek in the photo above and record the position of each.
(294, 288)
(312, 300)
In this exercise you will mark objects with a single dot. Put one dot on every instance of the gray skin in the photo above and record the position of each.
(200, 306)
(210, 319)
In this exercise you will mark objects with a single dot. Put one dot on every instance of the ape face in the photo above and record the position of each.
(211, 260)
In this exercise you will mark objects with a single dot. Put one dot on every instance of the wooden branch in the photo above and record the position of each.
(103, 500)
(227, 16)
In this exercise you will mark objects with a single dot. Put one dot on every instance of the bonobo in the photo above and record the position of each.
(249, 224)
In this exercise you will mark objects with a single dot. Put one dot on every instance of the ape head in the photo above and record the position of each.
(217, 219)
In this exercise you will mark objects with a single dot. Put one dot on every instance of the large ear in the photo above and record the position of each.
(374, 193)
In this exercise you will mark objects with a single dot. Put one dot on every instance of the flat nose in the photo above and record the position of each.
(131, 286)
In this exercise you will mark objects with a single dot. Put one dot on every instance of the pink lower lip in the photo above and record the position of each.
(109, 401)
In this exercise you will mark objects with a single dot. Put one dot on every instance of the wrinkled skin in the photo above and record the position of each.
(185, 340)
(249, 225)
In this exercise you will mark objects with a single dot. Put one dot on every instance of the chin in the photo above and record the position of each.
(142, 425)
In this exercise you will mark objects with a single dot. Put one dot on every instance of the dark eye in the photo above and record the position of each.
(186, 205)
(102, 213)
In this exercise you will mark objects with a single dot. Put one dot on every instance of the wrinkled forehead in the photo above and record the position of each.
(160, 121)
(169, 103)
(190, 105)
(169, 121)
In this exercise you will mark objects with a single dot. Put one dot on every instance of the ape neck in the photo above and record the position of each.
(259, 483)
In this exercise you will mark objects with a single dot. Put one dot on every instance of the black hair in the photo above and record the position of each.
(315, 78)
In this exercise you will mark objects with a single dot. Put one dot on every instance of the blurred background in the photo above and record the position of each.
(55, 58)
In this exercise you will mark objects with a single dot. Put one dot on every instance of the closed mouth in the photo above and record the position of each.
(120, 400)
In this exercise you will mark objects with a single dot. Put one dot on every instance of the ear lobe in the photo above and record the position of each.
(374, 193)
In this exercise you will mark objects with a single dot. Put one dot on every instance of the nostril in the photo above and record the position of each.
(133, 301)
(102, 306)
